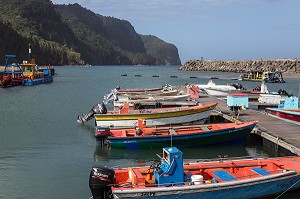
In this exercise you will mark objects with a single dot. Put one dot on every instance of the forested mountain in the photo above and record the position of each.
(71, 34)
(166, 52)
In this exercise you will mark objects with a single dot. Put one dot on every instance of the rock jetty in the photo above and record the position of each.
(283, 65)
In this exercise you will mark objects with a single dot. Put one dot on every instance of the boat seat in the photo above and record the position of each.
(172, 131)
(136, 176)
(224, 175)
(204, 128)
(261, 171)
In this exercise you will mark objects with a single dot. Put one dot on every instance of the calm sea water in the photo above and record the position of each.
(44, 153)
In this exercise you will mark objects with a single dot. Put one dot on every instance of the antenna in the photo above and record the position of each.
(29, 50)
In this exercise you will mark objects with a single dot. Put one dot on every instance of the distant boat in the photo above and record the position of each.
(32, 76)
(180, 136)
(25, 74)
(269, 77)
(12, 73)
(212, 85)
(172, 177)
(213, 77)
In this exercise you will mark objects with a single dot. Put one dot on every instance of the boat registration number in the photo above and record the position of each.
(148, 194)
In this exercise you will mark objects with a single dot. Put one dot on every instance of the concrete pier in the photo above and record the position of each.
(277, 134)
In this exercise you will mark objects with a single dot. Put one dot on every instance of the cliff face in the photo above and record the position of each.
(283, 65)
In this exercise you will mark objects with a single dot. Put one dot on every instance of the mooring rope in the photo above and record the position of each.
(287, 189)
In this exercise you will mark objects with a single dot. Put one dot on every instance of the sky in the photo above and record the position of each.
(212, 29)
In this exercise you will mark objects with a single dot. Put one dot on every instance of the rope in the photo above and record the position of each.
(287, 189)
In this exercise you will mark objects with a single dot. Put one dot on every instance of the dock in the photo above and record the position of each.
(280, 135)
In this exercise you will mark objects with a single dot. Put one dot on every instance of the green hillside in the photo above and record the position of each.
(72, 35)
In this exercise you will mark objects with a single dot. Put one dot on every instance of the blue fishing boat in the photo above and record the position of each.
(31, 75)
(170, 177)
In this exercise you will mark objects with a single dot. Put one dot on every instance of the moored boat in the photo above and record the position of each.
(172, 177)
(154, 117)
(286, 114)
(120, 101)
(180, 136)
(288, 111)
(12, 73)
(269, 77)
(162, 116)
(32, 76)
(141, 90)
(213, 85)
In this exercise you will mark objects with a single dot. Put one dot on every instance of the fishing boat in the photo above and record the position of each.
(288, 111)
(269, 77)
(163, 104)
(154, 117)
(214, 86)
(213, 89)
(151, 98)
(126, 117)
(143, 90)
(172, 177)
(286, 114)
(12, 73)
(31, 76)
(180, 136)
(136, 96)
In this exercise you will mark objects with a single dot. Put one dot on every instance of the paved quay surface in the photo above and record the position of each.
(281, 133)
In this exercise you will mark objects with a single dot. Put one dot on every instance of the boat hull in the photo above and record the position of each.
(155, 118)
(121, 102)
(289, 115)
(247, 189)
(31, 82)
(216, 92)
(173, 178)
(225, 136)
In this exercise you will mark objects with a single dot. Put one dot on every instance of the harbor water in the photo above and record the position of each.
(46, 154)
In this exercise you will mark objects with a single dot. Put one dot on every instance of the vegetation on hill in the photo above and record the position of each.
(72, 35)
(166, 52)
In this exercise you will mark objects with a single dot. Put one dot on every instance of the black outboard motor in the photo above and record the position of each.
(283, 92)
(239, 86)
(97, 109)
(102, 132)
(101, 180)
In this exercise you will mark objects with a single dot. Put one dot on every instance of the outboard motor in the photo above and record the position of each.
(239, 86)
(283, 92)
(97, 109)
(100, 182)
(101, 133)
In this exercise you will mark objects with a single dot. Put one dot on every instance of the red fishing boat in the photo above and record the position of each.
(283, 113)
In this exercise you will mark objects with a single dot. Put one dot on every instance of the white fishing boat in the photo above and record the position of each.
(213, 85)
(152, 117)
(120, 102)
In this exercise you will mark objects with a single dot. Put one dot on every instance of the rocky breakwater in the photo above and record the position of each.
(283, 65)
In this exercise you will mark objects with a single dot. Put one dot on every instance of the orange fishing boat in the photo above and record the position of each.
(171, 177)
